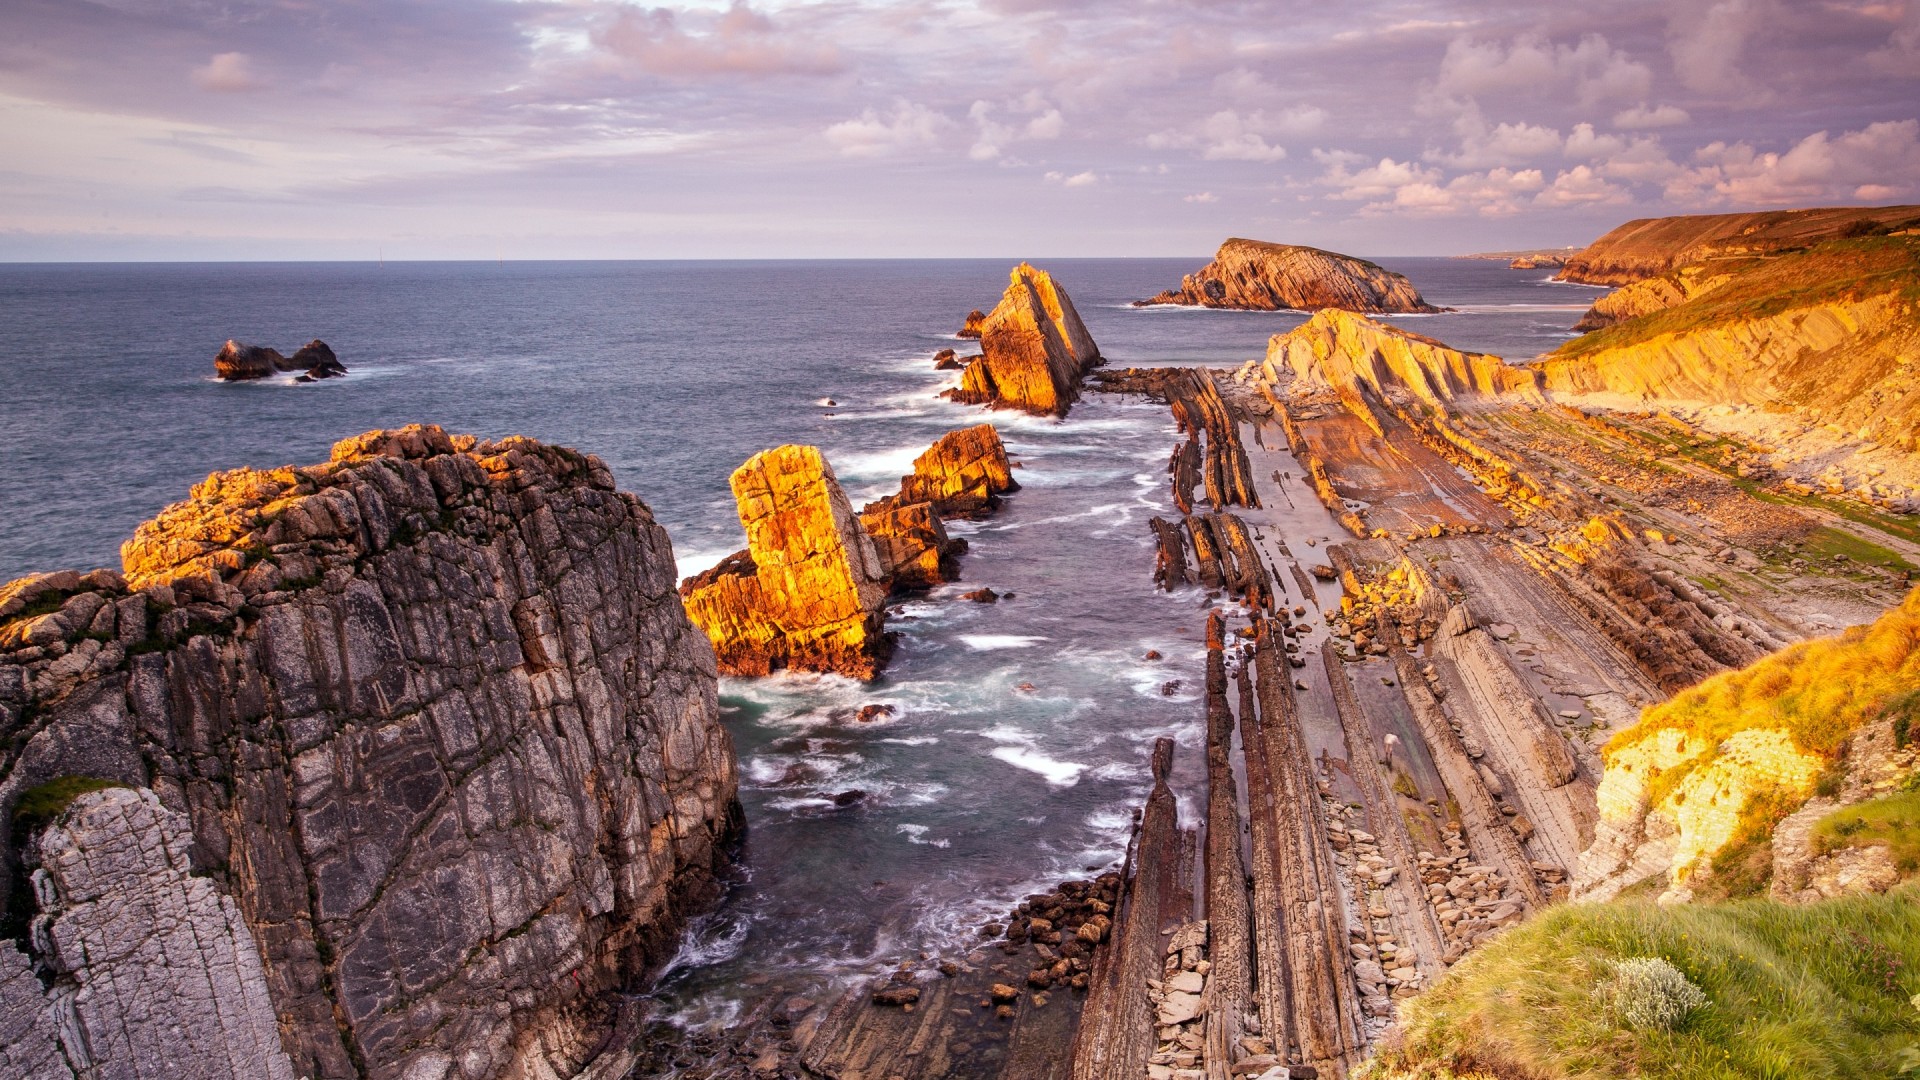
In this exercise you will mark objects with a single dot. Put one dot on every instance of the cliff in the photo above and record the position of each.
(808, 591)
(1823, 336)
(1341, 351)
(1649, 247)
(1654, 294)
(1034, 349)
(413, 752)
(1257, 276)
(1700, 782)
(238, 361)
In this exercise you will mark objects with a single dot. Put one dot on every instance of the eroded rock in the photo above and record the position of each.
(1034, 349)
(1257, 276)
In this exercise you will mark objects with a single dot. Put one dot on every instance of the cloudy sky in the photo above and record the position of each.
(790, 128)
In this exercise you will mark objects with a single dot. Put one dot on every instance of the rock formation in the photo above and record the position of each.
(238, 361)
(976, 321)
(1034, 350)
(962, 474)
(413, 752)
(1648, 295)
(1649, 247)
(807, 592)
(1256, 276)
(1341, 351)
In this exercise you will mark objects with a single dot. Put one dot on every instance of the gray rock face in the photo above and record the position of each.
(439, 727)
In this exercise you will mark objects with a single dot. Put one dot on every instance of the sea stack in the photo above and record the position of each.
(1252, 275)
(808, 591)
(360, 769)
(238, 361)
(1034, 349)
(963, 474)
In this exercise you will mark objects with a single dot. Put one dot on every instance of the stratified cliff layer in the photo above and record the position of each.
(422, 760)
(1649, 247)
(1034, 349)
(807, 593)
(963, 473)
(1724, 761)
(1341, 351)
(1826, 335)
(1257, 276)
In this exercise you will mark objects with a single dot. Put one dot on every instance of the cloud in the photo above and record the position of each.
(1080, 179)
(1503, 144)
(1595, 69)
(1581, 186)
(1230, 135)
(873, 134)
(1201, 197)
(227, 73)
(1640, 117)
(1880, 161)
(1707, 40)
(739, 41)
(992, 137)
(1900, 56)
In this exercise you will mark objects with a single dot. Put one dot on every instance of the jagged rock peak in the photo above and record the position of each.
(807, 593)
(429, 717)
(1255, 275)
(963, 473)
(1034, 349)
(1342, 351)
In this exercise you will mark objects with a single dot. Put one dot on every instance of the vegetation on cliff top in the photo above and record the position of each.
(1815, 990)
(1832, 272)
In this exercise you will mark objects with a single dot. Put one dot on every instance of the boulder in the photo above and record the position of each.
(808, 591)
(976, 321)
(1253, 275)
(963, 474)
(912, 543)
(1034, 350)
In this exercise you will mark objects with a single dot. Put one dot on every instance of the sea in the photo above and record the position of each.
(1017, 745)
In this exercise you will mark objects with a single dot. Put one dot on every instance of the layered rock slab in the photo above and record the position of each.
(1253, 275)
(808, 591)
(439, 725)
(1341, 351)
(1034, 349)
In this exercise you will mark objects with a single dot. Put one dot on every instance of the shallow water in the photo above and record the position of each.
(1017, 748)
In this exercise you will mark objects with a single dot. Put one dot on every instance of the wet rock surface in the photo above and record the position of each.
(428, 717)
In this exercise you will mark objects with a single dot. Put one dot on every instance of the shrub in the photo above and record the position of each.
(1650, 994)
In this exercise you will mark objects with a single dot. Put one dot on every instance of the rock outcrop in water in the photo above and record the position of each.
(1253, 275)
(238, 361)
(962, 474)
(1342, 351)
(1649, 247)
(808, 591)
(1034, 350)
(412, 761)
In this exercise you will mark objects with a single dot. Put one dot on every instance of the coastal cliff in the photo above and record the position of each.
(1649, 247)
(401, 765)
(1341, 351)
(1254, 275)
(1034, 349)
(807, 593)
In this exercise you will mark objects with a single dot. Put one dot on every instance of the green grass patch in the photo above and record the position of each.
(44, 802)
(1892, 821)
(1824, 542)
(1815, 990)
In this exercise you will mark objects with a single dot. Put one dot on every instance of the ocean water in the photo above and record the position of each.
(1017, 746)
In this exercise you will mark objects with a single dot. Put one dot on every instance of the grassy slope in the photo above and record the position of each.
(1819, 990)
(1832, 271)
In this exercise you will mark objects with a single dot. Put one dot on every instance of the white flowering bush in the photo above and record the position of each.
(1650, 994)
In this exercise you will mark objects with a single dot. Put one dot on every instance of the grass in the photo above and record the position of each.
(1832, 272)
(1892, 821)
(1819, 692)
(44, 802)
(1816, 990)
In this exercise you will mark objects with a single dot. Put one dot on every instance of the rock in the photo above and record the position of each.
(912, 544)
(1649, 247)
(944, 360)
(981, 596)
(975, 323)
(870, 713)
(1002, 993)
(1152, 654)
(896, 995)
(1034, 350)
(1178, 1008)
(808, 591)
(1323, 572)
(238, 361)
(963, 474)
(1354, 355)
(1257, 276)
(1186, 982)
(426, 723)
(848, 797)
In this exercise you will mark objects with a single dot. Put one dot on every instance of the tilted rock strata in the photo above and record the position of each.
(1649, 295)
(912, 542)
(962, 474)
(1649, 247)
(441, 728)
(807, 592)
(238, 361)
(1257, 276)
(1342, 351)
(1034, 350)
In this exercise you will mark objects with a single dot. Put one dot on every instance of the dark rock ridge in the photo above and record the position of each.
(1253, 275)
(1650, 247)
(410, 762)
(1034, 350)
(238, 361)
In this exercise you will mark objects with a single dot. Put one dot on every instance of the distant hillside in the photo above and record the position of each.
(1649, 247)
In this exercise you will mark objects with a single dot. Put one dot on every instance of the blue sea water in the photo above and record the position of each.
(1018, 742)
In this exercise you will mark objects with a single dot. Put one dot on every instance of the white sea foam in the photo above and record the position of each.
(990, 642)
(917, 740)
(917, 834)
(1057, 773)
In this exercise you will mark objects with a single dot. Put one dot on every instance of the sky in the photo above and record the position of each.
(476, 129)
